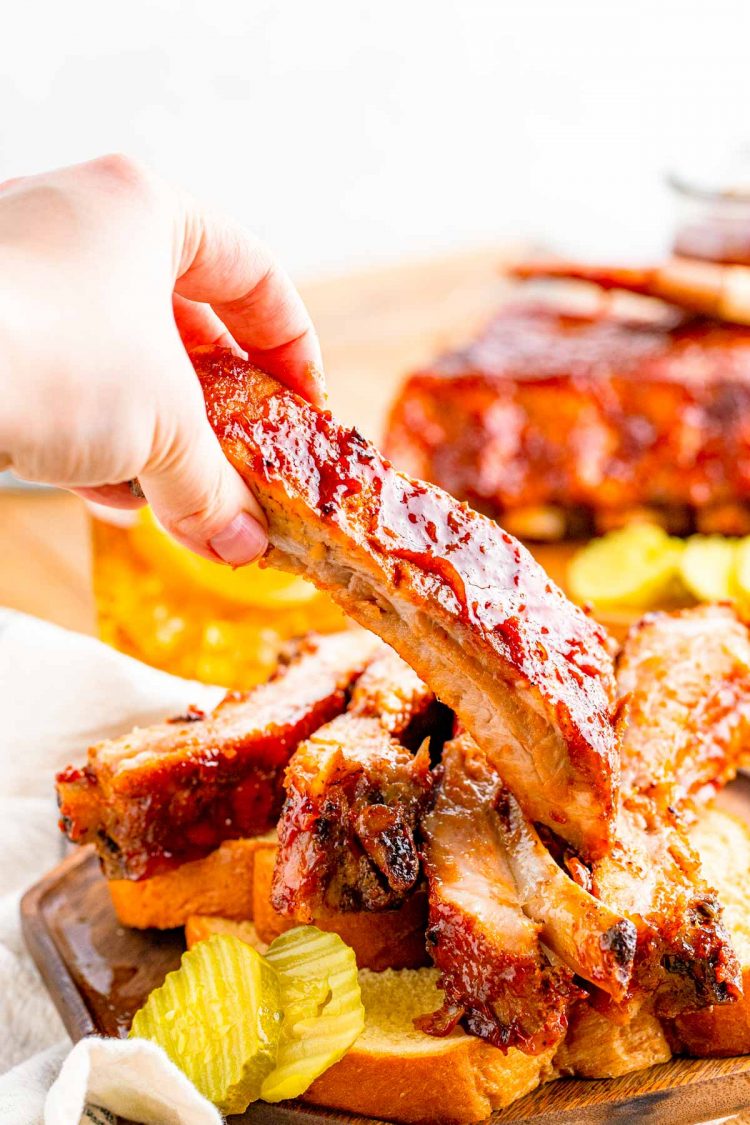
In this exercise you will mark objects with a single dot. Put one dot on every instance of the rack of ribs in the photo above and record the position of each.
(162, 795)
(527, 673)
(355, 792)
(556, 421)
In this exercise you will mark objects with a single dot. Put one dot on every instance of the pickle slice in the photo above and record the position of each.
(218, 1017)
(707, 567)
(742, 573)
(323, 1011)
(636, 566)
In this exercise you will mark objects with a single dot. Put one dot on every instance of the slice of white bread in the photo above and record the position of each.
(595, 1047)
(222, 883)
(398, 1073)
(394, 939)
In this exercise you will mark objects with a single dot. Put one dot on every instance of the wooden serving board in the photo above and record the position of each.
(99, 973)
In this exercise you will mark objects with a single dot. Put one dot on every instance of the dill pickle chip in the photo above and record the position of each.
(707, 567)
(323, 1011)
(636, 566)
(218, 1017)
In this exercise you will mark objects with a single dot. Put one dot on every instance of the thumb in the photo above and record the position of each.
(195, 493)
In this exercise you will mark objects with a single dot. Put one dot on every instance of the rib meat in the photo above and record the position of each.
(495, 975)
(587, 934)
(552, 419)
(173, 792)
(354, 795)
(684, 957)
(465, 605)
(391, 692)
(687, 678)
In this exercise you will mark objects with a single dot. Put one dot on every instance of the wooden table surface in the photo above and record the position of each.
(374, 326)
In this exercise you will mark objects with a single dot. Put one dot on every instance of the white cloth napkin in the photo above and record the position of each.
(60, 692)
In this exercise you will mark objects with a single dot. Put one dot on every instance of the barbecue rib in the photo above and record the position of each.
(586, 934)
(467, 607)
(163, 795)
(709, 288)
(552, 420)
(687, 678)
(496, 978)
(683, 955)
(354, 795)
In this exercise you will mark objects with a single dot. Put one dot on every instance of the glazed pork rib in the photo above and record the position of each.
(586, 933)
(166, 794)
(355, 792)
(498, 981)
(683, 955)
(528, 674)
(687, 678)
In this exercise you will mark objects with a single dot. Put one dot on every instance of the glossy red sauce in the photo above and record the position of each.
(530, 342)
(424, 541)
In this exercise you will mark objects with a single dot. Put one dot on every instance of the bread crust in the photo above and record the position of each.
(459, 1081)
(221, 883)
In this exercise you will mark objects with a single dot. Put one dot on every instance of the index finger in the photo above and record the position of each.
(221, 263)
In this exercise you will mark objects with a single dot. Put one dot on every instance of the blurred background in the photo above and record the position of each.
(347, 132)
(395, 157)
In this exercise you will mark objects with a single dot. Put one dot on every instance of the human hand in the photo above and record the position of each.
(107, 275)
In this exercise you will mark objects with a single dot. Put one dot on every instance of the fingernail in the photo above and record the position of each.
(242, 541)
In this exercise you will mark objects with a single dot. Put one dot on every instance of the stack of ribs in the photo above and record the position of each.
(478, 740)
(560, 420)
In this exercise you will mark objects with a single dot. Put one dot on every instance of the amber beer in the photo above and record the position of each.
(158, 602)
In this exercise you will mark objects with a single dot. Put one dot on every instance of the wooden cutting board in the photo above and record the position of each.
(99, 973)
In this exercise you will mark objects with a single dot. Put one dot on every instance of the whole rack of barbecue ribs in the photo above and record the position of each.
(557, 420)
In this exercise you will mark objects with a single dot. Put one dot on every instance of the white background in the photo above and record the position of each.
(347, 132)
